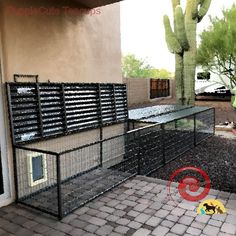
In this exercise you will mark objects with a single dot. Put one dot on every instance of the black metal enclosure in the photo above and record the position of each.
(59, 168)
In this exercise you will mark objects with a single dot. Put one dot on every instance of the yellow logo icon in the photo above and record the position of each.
(211, 207)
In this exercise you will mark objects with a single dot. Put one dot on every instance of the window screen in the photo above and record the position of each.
(203, 76)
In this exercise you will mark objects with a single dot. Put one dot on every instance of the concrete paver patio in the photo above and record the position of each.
(139, 207)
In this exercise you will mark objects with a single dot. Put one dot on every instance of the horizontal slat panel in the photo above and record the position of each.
(49, 109)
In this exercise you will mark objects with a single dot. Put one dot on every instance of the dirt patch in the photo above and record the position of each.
(216, 156)
(224, 110)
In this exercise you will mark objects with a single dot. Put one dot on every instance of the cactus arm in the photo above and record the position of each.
(175, 3)
(204, 7)
(192, 9)
(180, 28)
(171, 39)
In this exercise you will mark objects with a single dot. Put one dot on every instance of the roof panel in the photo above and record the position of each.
(165, 118)
(153, 111)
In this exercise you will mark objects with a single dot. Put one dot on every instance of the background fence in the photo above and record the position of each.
(142, 91)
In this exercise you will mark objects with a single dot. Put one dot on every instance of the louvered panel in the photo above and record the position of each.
(52, 105)
(107, 104)
(82, 106)
(42, 110)
(24, 107)
(121, 102)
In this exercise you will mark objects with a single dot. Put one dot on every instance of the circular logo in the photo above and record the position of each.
(211, 207)
(190, 183)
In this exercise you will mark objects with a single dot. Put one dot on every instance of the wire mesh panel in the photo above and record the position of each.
(59, 175)
(205, 125)
(179, 137)
(128, 154)
(151, 149)
(36, 180)
(92, 170)
(78, 168)
(79, 190)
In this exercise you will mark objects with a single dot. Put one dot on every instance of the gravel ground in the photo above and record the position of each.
(216, 156)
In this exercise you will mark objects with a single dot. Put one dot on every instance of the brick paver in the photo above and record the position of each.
(138, 207)
(211, 230)
(228, 228)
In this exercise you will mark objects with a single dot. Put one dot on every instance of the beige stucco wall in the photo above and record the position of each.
(139, 91)
(82, 48)
(60, 49)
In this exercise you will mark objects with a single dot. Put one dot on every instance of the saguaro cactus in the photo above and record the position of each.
(182, 42)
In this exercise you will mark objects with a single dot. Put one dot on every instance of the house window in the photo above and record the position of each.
(159, 88)
(37, 168)
(203, 75)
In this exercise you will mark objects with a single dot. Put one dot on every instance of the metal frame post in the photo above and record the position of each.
(101, 146)
(13, 143)
(195, 131)
(15, 174)
(163, 143)
(139, 153)
(40, 116)
(59, 196)
(214, 121)
(101, 125)
(114, 99)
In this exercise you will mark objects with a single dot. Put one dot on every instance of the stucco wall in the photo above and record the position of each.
(62, 48)
(139, 91)
(81, 48)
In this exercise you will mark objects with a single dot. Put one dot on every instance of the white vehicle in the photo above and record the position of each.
(208, 83)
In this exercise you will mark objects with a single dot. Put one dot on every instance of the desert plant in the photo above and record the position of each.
(217, 50)
(133, 67)
(182, 42)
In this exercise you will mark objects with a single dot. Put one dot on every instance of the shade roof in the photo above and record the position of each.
(164, 113)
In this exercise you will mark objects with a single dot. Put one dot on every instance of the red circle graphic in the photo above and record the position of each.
(192, 183)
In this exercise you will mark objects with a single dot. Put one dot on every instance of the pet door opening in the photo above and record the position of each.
(37, 168)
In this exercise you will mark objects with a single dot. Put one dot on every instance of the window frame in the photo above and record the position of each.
(159, 91)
